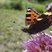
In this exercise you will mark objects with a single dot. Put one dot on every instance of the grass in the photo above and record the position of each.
(11, 36)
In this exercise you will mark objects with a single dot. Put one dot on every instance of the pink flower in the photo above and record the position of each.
(41, 42)
(49, 7)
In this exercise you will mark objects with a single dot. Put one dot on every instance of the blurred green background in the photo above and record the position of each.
(12, 17)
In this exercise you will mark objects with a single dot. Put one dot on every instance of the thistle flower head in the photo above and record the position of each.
(41, 42)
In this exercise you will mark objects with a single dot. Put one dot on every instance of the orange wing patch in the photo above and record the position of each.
(31, 16)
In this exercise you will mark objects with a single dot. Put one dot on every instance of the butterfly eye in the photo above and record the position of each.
(28, 15)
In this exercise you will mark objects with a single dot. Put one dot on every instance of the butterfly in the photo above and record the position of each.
(36, 21)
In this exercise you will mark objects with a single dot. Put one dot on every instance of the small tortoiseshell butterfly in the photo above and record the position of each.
(38, 22)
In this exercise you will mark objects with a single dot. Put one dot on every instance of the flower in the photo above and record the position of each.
(41, 42)
(49, 7)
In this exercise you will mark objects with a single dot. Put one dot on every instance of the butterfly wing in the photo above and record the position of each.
(31, 16)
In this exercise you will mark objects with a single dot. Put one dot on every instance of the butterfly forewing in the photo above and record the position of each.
(31, 16)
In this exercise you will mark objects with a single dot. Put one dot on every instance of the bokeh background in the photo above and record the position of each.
(12, 20)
